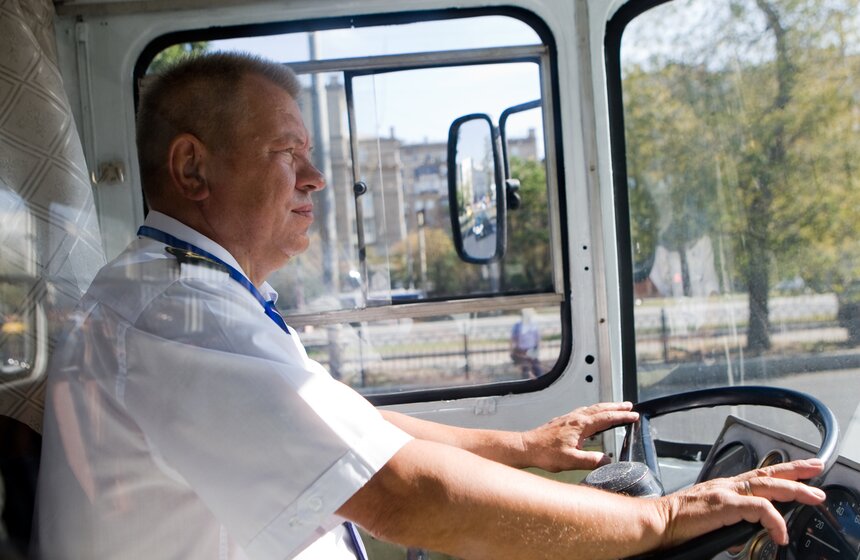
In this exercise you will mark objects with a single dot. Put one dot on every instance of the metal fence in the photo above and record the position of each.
(669, 331)
(411, 355)
(405, 354)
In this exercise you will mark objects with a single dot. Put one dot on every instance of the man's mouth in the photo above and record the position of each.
(306, 211)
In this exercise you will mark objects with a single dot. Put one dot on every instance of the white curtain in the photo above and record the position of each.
(50, 247)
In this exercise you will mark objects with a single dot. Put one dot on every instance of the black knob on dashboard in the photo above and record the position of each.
(626, 477)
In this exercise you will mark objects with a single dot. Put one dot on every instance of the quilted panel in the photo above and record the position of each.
(49, 237)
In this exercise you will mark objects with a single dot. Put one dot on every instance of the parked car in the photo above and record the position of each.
(849, 310)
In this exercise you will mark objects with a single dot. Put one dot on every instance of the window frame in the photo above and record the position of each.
(618, 150)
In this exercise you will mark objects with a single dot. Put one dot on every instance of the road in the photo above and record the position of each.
(481, 248)
(838, 389)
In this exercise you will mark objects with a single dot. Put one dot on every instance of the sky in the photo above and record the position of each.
(421, 104)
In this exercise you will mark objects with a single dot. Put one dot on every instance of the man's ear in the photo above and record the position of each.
(187, 161)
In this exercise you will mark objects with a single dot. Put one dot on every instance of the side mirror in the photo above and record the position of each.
(476, 191)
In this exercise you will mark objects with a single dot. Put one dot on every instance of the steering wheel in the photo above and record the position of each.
(639, 446)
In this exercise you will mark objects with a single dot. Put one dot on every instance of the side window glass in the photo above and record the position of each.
(410, 174)
(327, 277)
(18, 340)
(381, 297)
(529, 263)
(740, 124)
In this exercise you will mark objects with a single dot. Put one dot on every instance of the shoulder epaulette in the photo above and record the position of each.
(184, 256)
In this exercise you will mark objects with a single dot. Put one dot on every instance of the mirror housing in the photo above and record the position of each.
(503, 127)
(476, 189)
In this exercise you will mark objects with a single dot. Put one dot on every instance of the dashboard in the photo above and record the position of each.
(829, 531)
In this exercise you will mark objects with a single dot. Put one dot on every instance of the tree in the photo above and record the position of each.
(528, 261)
(527, 264)
(665, 168)
(173, 53)
(776, 172)
(745, 131)
(446, 273)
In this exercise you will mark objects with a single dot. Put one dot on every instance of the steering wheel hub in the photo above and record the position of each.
(626, 477)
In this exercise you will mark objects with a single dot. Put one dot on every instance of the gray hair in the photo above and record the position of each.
(199, 95)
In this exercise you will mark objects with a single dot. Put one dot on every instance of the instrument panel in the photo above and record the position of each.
(830, 531)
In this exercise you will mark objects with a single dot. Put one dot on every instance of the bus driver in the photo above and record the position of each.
(185, 419)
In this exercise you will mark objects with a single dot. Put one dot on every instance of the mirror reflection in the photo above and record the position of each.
(476, 194)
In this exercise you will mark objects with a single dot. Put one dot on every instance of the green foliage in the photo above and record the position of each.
(528, 262)
(643, 230)
(747, 134)
(446, 273)
(173, 53)
(527, 265)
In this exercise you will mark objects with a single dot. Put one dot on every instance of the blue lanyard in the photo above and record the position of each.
(167, 239)
(357, 545)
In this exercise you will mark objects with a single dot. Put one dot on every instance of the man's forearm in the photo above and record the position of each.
(500, 446)
(445, 499)
(441, 498)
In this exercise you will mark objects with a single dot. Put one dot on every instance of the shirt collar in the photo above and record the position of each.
(181, 231)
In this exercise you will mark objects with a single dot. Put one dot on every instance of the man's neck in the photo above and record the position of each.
(248, 265)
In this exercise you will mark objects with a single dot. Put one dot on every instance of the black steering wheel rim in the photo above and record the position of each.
(639, 446)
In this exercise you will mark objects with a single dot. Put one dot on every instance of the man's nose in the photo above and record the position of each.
(310, 178)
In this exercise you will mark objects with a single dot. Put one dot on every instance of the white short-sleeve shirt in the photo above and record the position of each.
(182, 422)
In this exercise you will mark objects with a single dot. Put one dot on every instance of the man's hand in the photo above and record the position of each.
(554, 446)
(557, 445)
(708, 506)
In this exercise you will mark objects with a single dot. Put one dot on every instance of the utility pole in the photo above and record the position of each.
(325, 201)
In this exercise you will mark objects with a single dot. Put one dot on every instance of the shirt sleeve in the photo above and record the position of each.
(232, 406)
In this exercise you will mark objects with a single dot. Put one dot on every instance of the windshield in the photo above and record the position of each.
(740, 123)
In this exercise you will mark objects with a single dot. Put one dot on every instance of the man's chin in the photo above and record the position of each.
(297, 247)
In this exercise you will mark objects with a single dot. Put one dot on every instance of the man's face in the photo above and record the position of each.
(261, 182)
